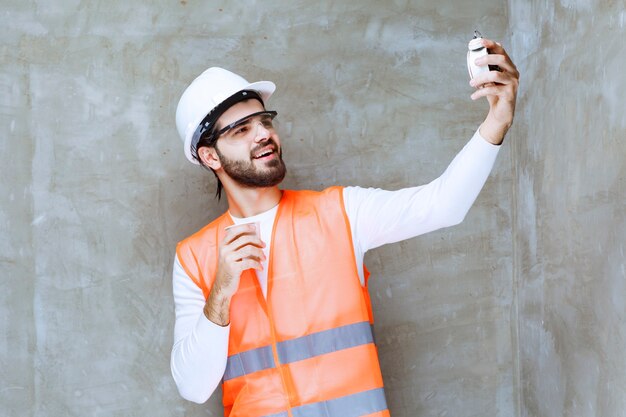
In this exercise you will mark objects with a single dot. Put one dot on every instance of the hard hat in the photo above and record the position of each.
(205, 93)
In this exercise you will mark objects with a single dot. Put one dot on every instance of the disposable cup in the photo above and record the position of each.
(257, 228)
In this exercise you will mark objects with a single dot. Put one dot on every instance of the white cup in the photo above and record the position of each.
(257, 228)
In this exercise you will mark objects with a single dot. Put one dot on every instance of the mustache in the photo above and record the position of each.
(268, 142)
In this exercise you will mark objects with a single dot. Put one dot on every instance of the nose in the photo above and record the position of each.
(261, 133)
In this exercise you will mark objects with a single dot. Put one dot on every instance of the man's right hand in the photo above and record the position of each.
(241, 249)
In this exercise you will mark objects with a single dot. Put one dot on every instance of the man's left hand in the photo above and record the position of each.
(500, 88)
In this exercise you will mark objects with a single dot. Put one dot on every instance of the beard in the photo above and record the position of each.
(247, 174)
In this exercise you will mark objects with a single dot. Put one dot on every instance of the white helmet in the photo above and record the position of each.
(205, 93)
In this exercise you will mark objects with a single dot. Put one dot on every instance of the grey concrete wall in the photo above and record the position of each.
(371, 93)
(569, 153)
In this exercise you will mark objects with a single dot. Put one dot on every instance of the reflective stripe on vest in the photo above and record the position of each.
(298, 349)
(355, 405)
(248, 362)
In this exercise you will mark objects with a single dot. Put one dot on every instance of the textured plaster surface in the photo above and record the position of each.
(569, 155)
(96, 193)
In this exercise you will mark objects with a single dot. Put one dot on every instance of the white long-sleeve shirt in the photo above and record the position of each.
(376, 217)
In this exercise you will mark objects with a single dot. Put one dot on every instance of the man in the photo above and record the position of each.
(276, 307)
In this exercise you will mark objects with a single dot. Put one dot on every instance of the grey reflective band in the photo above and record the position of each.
(249, 361)
(283, 414)
(325, 341)
(355, 405)
(298, 349)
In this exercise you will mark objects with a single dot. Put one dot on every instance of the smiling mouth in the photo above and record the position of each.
(264, 154)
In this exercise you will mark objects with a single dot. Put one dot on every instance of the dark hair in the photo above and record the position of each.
(207, 140)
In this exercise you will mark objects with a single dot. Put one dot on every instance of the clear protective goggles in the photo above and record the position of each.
(247, 127)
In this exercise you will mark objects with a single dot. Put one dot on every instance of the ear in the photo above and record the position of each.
(209, 157)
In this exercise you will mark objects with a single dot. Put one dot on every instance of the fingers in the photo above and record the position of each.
(503, 83)
(494, 47)
(245, 240)
(492, 77)
(497, 56)
(242, 249)
(504, 92)
(495, 84)
(502, 61)
(246, 252)
(250, 264)
(233, 232)
(486, 91)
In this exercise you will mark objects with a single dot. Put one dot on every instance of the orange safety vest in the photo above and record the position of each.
(308, 350)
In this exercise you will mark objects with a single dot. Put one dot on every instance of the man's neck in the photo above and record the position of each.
(246, 202)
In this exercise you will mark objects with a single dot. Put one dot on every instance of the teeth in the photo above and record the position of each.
(264, 154)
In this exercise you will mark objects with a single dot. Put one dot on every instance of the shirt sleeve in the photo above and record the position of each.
(200, 346)
(378, 217)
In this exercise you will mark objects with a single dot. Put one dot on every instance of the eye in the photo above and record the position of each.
(242, 130)
(267, 123)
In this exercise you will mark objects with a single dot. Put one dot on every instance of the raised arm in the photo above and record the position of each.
(378, 217)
